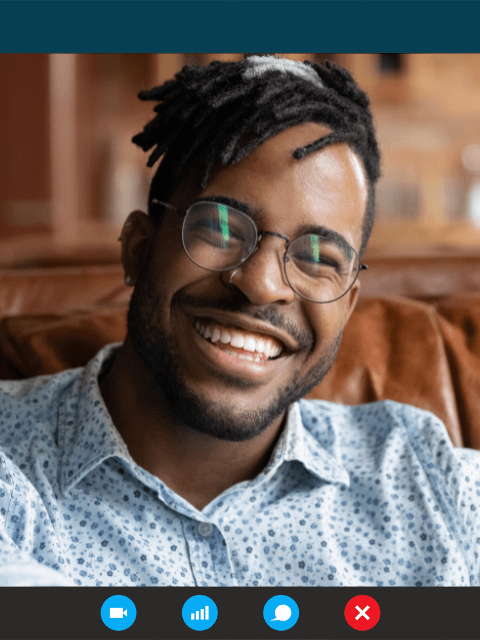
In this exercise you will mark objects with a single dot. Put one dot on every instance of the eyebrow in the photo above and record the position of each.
(327, 234)
(306, 229)
(255, 214)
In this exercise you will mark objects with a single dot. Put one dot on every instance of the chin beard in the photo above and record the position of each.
(161, 356)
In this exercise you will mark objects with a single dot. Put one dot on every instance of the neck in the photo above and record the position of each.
(197, 466)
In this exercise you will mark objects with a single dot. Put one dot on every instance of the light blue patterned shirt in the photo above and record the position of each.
(365, 495)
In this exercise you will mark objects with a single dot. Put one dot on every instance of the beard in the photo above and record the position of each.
(160, 353)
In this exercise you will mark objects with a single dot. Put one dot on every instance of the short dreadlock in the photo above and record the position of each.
(220, 113)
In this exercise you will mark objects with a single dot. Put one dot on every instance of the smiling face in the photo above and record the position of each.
(230, 351)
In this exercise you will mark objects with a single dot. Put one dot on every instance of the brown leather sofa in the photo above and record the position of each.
(414, 336)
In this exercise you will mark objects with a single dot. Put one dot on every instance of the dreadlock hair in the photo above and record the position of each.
(219, 113)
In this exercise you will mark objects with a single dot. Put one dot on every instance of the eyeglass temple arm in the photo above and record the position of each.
(180, 212)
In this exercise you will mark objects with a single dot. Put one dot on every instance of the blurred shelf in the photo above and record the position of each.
(414, 239)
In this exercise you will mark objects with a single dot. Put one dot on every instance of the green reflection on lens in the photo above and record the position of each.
(223, 214)
(315, 247)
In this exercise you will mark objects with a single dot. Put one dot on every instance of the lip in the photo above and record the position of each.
(248, 324)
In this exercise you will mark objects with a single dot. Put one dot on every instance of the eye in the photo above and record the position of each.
(217, 233)
(318, 257)
(207, 223)
(318, 266)
(312, 260)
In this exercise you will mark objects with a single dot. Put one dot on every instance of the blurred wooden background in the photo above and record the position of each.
(69, 174)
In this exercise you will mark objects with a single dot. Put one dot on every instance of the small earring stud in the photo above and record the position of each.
(128, 280)
(231, 277)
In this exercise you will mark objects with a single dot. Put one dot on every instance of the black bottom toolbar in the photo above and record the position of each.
(240, 613)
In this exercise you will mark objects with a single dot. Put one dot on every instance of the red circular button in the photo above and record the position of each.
(362, 613)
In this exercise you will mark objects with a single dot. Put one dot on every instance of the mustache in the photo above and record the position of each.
(267, 314)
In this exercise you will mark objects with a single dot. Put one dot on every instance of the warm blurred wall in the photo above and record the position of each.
(70, 174)
(24, 157)
(427, 114)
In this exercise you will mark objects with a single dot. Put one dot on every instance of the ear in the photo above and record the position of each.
(137, 236)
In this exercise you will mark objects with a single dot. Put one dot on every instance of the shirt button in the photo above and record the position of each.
(205, 529)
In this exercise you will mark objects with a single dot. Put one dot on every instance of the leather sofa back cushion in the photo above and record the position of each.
(392, 348)
(60, 289)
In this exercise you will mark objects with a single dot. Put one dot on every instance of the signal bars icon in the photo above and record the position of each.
(200, 615)
(199, 612)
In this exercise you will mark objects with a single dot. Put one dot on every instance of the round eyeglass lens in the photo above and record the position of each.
(217, 237)
(320, 270)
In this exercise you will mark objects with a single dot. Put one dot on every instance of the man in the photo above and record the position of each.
(186, 456)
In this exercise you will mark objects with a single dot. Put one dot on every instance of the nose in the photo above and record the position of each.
(261, 278)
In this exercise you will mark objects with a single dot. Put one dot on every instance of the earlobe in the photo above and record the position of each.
(137, 236)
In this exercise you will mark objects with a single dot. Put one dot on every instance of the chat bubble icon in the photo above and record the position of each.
(117, 612)
(282, 613)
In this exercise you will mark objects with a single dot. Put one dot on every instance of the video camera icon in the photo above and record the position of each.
(118, 613)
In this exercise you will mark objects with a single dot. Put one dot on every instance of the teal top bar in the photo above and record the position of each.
(246, 26)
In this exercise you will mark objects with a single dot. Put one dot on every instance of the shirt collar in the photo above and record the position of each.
(311, 444)
(87, 435)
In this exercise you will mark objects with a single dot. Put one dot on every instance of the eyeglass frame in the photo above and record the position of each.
(259, 236)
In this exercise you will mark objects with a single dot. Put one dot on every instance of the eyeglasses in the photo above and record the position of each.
(218, 237)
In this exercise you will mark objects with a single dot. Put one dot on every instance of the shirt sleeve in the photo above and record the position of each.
(24, 526)
(465, 488)
(29, 573)
(454, 474)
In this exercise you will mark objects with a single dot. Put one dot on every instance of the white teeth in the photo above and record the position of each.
(236, 339)
(225, 337)
(268, 348)
(261, 346)
(274, 351)
(249, 344)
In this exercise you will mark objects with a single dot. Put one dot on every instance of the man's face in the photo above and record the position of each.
(206, 385)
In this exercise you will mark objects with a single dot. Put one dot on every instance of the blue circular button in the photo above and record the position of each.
(199, 613)
(281, 613)
(118, 613)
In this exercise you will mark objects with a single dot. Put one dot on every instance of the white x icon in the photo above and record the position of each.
(362, 612)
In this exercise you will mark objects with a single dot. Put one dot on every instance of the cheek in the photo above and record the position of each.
(327, 321)
(172, 272)
(168, 248)
(172, 266)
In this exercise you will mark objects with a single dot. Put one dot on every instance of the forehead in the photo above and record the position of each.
(326, 188)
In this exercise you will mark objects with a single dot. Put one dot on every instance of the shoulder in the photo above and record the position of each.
(29, 408)
(29, 388)
(397, 436)
(378, 418)
(374, 428)
(369, 423)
